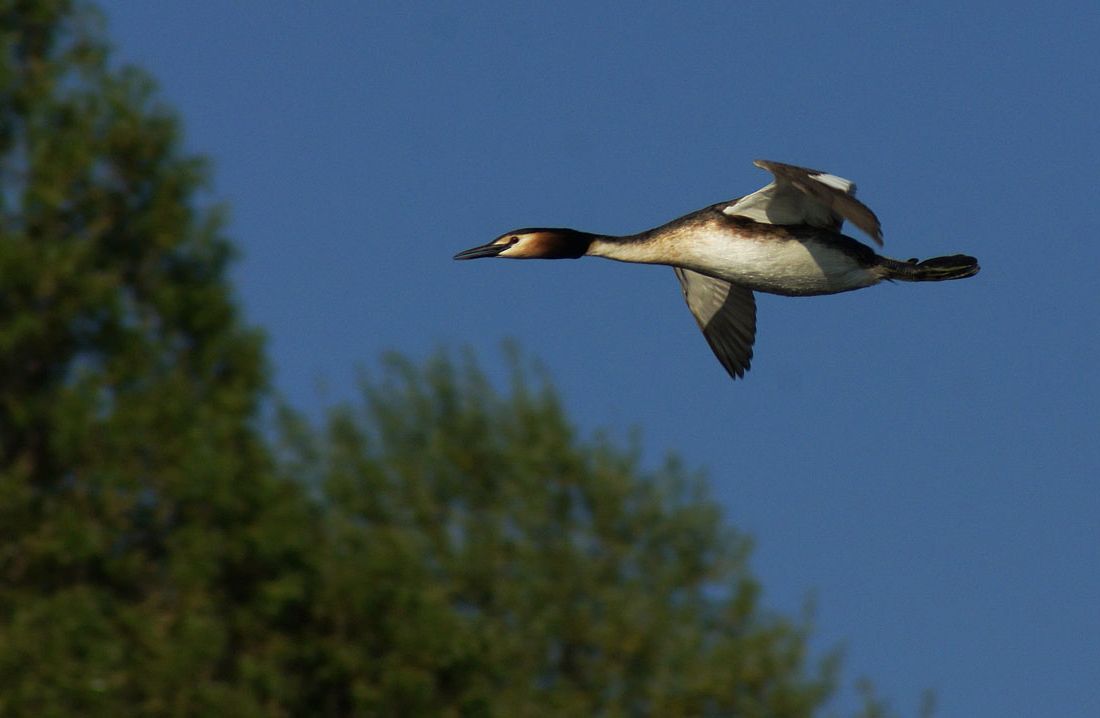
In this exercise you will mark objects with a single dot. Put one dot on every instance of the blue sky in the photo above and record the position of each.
(922, 459)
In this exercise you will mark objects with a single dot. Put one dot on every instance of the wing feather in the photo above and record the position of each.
(800, 195)
(727, 315)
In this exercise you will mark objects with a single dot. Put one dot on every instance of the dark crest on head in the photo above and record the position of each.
(556, 242)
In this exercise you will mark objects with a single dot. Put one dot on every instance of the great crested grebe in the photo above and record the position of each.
(782, 239)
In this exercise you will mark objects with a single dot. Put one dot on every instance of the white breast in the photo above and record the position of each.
(765, 264)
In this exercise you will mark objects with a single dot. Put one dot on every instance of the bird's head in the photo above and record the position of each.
(534, 243)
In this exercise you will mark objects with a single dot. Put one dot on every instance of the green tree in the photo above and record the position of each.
(482, 559)
(140, 541)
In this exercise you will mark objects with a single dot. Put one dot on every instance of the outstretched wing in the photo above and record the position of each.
(804, 196)
(727, 315)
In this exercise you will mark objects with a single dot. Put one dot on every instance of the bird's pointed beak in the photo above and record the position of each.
(486, 250)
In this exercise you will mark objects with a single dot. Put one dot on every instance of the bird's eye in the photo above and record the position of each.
(513, 239)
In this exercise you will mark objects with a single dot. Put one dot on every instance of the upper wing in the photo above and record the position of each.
(804, 196)
(727, 315)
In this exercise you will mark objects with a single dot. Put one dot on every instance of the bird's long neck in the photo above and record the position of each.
(641, 248)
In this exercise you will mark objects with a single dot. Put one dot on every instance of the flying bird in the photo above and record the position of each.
(783, 239)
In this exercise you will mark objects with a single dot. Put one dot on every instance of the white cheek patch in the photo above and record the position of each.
(845, 186)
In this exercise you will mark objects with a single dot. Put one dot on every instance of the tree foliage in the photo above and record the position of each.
(440, 548)
(514, 568)
(137, 505)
